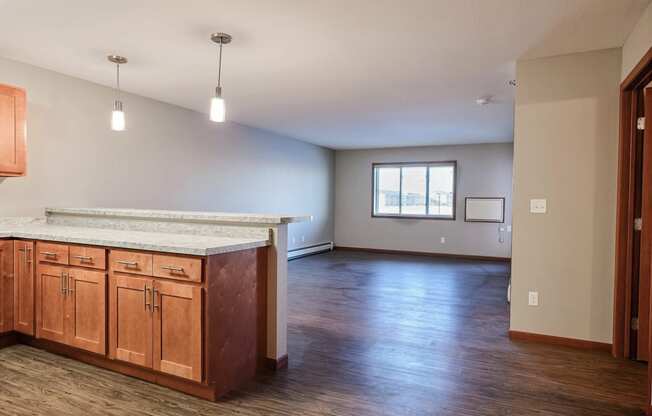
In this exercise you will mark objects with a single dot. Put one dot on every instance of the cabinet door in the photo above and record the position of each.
(86, 310)
(12, 131)
(130, 319)
(177, 329)
(6, 286)
(50, 302)
(24, 287)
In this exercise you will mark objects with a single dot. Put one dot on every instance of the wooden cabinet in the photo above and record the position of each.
(12, 131)
(177, 329)
(92, 257)
(24, 287)
(130, 320)
(86, 310)
(156, 324)
(50, 303)
(6, 286)
(71, 307)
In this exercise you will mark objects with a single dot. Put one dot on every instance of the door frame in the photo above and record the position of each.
(630, 88)
(640, 76)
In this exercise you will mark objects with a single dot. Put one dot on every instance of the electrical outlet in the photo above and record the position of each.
(533, 299)
(294, 240)
(443, 240)
(303, 238)
(538, 206)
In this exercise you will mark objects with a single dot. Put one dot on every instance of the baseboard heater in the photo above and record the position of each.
(310, 250)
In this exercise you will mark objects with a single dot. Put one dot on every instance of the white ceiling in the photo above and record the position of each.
(339, 73)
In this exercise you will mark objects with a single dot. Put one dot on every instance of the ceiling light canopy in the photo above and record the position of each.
(218, 107)
(118, 114)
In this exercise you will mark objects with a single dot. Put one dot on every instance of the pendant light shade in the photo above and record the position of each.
(218, 109)
(117, 117)
(218, 106)
(118, 114)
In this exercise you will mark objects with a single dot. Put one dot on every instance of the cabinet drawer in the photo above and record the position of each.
(94, 258)
(130, 262)
(52, 253)
(178, 268)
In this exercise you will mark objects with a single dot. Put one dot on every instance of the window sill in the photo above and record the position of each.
(414, 217)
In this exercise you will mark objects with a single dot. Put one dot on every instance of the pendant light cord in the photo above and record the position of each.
(118, 79)
(219, 70)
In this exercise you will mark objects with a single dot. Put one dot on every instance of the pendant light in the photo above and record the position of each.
(118, 114)
(218, 109)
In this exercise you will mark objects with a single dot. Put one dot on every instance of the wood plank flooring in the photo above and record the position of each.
(369, 334)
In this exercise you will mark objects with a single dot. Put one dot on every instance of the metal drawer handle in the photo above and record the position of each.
(128, 263)
(64, 283)
(154, 292)
(173, 268)
(84, 258)
(49, 254)
(71, 282)
(145, 293)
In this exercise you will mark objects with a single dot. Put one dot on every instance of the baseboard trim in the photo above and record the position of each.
(561, 341)
(425, 253)
(8, 339)
(276, 364)
(300, 252)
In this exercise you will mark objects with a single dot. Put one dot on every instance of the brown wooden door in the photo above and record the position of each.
(51, 302)
(12, 131)
(130, 319)
(24, 287)
(6, 286)
(177, 329)
(86, 310)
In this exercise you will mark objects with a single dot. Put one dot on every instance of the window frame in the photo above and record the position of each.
(427, 165)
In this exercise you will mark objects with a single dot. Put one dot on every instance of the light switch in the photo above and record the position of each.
(538, 206)
(533, 299)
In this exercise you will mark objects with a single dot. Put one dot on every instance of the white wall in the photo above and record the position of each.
(638, 42)
(482, 170)
(169, 158)
(566, 150)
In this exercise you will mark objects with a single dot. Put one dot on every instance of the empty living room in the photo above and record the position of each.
(344, 207)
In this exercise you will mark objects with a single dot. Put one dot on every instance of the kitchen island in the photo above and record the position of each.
(179, 299)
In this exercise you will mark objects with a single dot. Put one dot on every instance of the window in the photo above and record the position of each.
(417, 190)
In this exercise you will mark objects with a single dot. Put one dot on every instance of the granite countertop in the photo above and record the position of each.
(140, 240)
(194, 216)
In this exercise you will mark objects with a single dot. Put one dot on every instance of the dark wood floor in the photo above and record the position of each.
(369, 334)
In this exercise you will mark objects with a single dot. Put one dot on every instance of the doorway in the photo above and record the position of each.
(631, 337)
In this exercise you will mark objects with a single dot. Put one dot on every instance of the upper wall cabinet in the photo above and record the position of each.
(12, 131)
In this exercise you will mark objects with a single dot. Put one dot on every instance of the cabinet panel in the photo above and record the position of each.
(178, 268)
(130, 319)
(6, 286)
(50, 302)
(24, 287)
(177, 329)
(86, 310)
(12, 131)
(52, 253)
(130, 262)
(92, 257)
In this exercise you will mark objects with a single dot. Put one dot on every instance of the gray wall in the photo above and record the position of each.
(638, 42)
(169, 158)
(482, 170)
(566, 150)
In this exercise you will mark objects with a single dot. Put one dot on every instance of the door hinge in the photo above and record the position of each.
(634, 324)
(638, 224)
(640, 123)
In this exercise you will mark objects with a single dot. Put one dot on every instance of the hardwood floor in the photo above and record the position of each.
(369, 334)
